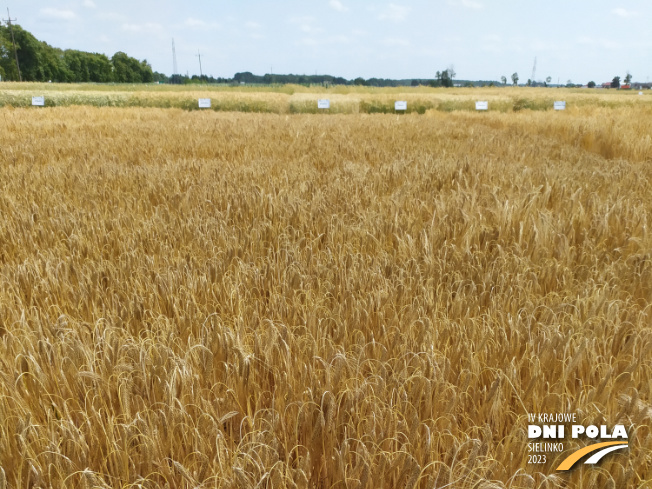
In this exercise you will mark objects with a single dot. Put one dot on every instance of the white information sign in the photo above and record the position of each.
(40, 101)
(482, 105)
(204, 103)
(323, 103)
(560, 105)
(400, 105)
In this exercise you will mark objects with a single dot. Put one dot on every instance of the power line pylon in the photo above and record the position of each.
(175, 69)
(201, 74)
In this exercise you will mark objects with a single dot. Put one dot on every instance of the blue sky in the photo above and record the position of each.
(574, 40)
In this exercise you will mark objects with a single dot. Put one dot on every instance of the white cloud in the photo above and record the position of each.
(337, 5)
(59, 14)
(112, 16)
(492, 38)
(540, 46)
(305, 19)
(306, 24)
(621, 12)
(394, 13)
(148, 27)
(89, 3)
(491, 48)
(601, 43)
(194, 23)
(339, 40)
(472, 4)
(395, 42)
(325, 41)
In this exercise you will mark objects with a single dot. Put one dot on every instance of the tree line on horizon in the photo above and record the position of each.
(40, 62)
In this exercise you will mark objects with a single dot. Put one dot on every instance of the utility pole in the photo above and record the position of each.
(9, 20)
(201, 75)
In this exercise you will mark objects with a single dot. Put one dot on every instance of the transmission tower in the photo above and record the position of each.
(534, 70)
(201, 75)
(175, 69)
(9, 20)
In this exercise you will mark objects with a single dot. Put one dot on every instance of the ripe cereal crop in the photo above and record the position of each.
(222, 299)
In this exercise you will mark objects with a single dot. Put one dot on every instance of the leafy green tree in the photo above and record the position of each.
(451, 74)
(504, 80)
(129, 70)
(146, 73)
(28, 49)
(87, 67)
(160, 77)
(628, 78)
(41, 62)
(101, 70)
(7, 62)
(446, 80)
(514, 79)
(591, 84)
(615, 83)
(38, 60)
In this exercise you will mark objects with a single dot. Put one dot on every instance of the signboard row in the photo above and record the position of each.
(484, 105)
(205, 103)
(402, 105)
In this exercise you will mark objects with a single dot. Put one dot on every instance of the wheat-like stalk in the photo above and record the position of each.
(213, 299)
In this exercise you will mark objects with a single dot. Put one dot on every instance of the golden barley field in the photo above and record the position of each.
(236, 300)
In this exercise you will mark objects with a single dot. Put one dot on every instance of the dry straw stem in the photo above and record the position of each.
(255, 300)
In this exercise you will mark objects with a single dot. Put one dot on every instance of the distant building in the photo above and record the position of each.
(641, 86)
(606, 85)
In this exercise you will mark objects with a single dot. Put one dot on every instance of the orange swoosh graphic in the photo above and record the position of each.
(570, 461)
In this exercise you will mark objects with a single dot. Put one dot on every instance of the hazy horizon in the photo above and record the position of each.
(484, 40)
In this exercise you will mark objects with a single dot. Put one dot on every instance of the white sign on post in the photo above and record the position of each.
(323, 103)
(482, 105)
(560, 105)
(39, 101)
(204, 103)
(400, 105)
